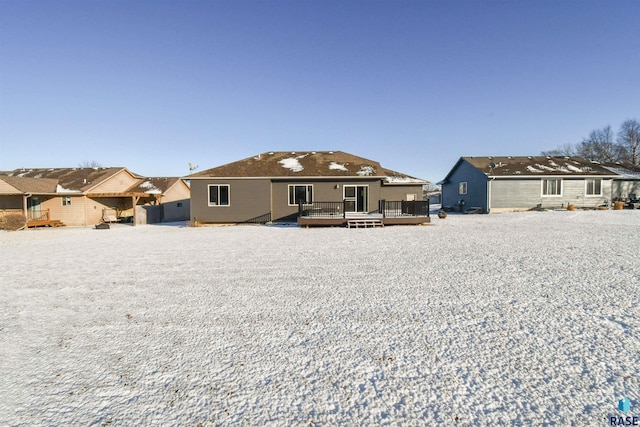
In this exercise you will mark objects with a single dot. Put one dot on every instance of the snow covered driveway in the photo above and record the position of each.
(523, 318)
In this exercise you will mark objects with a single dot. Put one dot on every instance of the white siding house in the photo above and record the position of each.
(509, 183)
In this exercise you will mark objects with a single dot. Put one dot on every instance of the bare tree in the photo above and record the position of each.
(629, 140)
(89, 164)
(599, 146)
(565, 150)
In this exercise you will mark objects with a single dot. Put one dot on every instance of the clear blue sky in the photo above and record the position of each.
(153, 85)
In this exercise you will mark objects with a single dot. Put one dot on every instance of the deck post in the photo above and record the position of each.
(344, 208)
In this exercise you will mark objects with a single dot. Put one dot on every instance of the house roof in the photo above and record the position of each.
(625, 170)
(156, 185)
(529, 166)
(31, 185)
(306, 164)
(68, 180)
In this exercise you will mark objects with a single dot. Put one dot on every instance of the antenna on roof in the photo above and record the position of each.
(192, 167)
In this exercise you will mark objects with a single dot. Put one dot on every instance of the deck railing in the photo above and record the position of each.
(322, 209)
(38, 215)
(394, 209)
(386, 208)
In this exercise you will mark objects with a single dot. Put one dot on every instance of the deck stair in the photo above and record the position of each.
(364, 223)
(45, 223)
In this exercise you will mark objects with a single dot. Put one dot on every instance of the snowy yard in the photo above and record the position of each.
(522, 318)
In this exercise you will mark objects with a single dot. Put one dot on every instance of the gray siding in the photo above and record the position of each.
(476, 187)
(323, 191)
(400, 192)
(622, 188)
(248, 198)
(527, 194)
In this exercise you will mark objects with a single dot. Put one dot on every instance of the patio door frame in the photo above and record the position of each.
(359, 202)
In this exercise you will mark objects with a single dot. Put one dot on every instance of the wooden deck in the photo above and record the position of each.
(330, 221)
(45, 223)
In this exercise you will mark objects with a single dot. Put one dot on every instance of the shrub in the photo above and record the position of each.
(13, 222)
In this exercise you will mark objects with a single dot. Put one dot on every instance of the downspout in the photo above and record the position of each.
(25, 204)
(489, 181)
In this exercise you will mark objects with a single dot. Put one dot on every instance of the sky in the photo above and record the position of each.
(155, 85)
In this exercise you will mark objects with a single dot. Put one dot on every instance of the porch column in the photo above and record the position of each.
(134, 202)
(24, 204)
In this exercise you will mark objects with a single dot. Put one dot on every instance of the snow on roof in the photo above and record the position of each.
(366, 171)
(61, 189)
(150, 188)
(291, 163)
(337, 166)
(402, 179)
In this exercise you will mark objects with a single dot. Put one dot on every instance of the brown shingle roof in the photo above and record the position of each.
(31, 185)
(157, 185)
(537, 166)
(304, 164)
(69, 179)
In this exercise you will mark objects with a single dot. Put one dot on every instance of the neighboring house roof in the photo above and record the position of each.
(306, 164)
(530, 166)
(69, 180)
(31, 185)
(157, 185)
(625, 170)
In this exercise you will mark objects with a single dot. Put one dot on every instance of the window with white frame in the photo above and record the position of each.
(300, 193)
(552, 187)
(66, 201)
(219, 195)
(594, 187)
(462, 187)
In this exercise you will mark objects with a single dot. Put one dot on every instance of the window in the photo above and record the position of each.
(219, 195)
(300, 193)
(594, 187)
(552, 187)
(179, 204)
(462, 188)
(66, 201)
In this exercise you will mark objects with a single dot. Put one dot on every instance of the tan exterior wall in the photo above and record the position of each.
(71, 215)
(119, 182)
(179, 191)
(248, 198)
(8, 189)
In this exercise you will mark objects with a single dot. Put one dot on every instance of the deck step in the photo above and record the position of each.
(45, 223)
(364, 223)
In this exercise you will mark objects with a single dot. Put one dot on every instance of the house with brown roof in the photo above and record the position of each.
(626, 186)
(510, 183)
(81, 196)
(276, 186)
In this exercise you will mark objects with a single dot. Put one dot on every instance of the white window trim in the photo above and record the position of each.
(542, 181)
(66, 200)
(300, 185)
(209, 195)
(466, 188)
(586, 186)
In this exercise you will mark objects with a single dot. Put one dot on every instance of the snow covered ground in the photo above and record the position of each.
(522, 318)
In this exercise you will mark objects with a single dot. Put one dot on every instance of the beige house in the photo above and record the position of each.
(84, 196)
